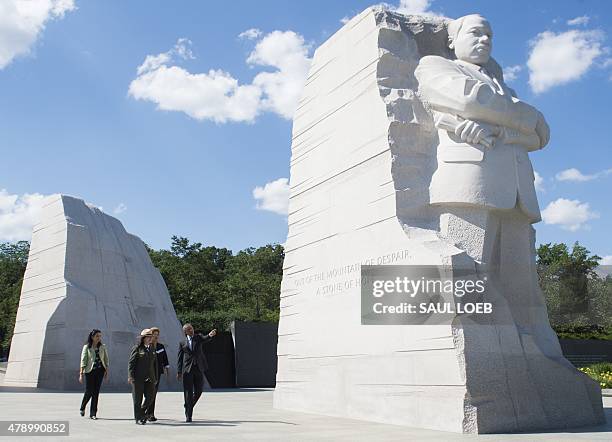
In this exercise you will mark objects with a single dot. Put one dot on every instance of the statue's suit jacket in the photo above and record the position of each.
(472, 174)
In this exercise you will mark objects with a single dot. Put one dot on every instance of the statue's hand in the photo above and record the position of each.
(542, 130)
(474, 133)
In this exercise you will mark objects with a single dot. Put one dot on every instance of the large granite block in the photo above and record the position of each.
(84, 272)
(368, 188)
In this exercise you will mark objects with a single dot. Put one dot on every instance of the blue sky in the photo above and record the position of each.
(78, 116)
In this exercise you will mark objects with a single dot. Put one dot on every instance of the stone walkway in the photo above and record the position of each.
(230, 415)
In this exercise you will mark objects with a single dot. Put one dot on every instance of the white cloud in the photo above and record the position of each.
(538, 182)
(182, 50)
(281, 89)
(22, 21)
(344, 20)
(582, 20)
(18, 214)
(416, 7)
(605, 267)
(273, 196)
(511, 72)
(217, 95)
(568, 214)
(574, 174)
(250, 34)
(121, 207)
(557, 59)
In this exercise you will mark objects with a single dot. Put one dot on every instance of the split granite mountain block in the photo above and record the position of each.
(85, 271)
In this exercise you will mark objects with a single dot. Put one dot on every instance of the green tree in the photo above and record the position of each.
(13, 261)
(575, 294)
(210, 286)
(253, 283)
(193, 274)
(558, 258)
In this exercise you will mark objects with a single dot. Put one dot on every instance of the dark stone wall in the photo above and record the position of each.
(255, 353)
(219, 353)
(583, 352)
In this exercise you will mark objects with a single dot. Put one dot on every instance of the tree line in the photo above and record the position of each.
(13, 261)
(578, 298)
(211, 286)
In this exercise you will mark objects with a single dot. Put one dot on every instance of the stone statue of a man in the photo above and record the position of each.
(484, 176)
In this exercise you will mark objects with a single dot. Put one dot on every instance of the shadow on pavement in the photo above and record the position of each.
(605, 427)
(17, 389)
(175, 423)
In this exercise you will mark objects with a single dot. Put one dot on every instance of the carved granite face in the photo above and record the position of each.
(474, 41)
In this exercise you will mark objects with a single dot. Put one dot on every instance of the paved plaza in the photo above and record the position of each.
(245, 414)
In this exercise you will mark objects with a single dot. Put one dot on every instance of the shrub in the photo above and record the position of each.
(601, 372)
(592, 331)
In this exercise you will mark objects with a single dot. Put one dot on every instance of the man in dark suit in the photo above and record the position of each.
(191, 366)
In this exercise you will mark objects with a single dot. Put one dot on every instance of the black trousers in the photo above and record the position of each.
(150, 411)
(193, 383)
(93, 381)
(140, 389)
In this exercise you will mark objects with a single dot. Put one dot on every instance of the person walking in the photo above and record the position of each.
(142, 375)
(191, 366)
(162, 367)
(94, 364)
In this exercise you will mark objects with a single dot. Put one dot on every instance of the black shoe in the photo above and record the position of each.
(151, 418)
(141, 421)
(93, 418)
(188, 419)
(82, 412)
